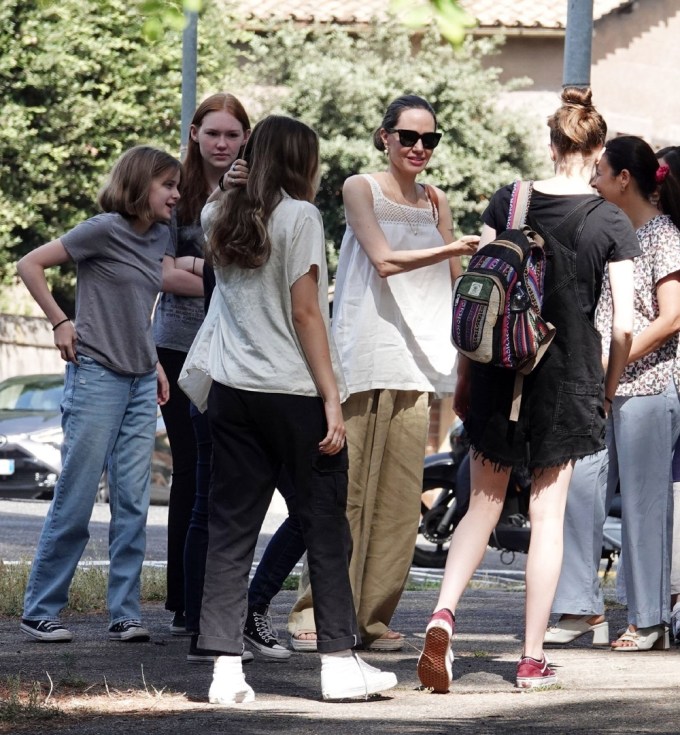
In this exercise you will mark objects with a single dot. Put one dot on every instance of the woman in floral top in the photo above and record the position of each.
(646, 408)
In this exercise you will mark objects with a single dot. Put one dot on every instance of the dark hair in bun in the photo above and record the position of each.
(577, 127)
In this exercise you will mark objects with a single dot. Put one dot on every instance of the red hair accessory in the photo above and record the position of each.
(661, 174)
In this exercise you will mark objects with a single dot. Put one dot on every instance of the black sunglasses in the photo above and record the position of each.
(408, 138)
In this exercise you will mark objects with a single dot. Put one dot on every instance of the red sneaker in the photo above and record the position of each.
(532, 673)
(435, 665)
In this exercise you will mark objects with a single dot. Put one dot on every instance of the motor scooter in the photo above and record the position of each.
(446, 496)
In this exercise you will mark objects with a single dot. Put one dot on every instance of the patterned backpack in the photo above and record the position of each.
(497, 301)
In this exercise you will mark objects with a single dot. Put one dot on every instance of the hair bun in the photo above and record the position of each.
(578, 96)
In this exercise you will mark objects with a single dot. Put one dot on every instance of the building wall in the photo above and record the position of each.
(636, 71)
(539, 59)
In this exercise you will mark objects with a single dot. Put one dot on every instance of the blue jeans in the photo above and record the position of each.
(196, 544)
(107, 418)
(283, 552)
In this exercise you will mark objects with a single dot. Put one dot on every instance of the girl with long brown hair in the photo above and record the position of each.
(264, 365)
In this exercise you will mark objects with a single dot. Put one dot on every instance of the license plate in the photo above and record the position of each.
(6, 466)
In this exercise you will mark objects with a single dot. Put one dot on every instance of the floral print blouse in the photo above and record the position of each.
(660, 243)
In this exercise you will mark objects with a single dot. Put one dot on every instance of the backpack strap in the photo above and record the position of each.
(517, 215)
(519, 204)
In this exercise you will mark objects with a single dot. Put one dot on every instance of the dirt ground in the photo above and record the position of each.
(97, 687)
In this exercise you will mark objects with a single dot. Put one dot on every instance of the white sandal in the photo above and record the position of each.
(644, 639)
(569, 629)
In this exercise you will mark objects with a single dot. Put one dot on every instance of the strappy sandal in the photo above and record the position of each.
(643, 639)
(305, 645)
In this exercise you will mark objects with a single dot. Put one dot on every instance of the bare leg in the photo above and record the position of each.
(544, 560)
(471, 537)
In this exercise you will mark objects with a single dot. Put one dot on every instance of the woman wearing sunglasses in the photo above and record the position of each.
(392, 323)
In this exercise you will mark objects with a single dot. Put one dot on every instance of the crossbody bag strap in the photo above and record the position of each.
(431, 194)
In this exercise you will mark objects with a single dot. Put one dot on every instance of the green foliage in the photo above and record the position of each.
(162, 15)
(23, 703)
(79, 84)
(449, 16)
(341, 83)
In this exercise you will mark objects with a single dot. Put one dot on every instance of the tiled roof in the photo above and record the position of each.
(531, 13)
(548, 14)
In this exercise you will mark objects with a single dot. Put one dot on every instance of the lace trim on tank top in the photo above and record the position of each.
(390, 212)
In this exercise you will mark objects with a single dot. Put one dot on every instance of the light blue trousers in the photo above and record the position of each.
(105, 416)
(641, 436)
(590, 494)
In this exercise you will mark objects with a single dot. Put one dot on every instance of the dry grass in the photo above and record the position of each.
(25, 702)
(87, 593)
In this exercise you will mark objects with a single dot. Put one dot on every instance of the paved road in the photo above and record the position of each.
(21, 522)
(108, 688)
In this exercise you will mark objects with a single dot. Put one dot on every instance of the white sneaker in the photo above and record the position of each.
(348, 676)
(229, 685)
(675, 623)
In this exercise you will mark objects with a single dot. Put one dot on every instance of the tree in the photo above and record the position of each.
(79, 84)
(340, 83)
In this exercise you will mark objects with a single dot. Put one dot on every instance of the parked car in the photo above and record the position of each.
(30, 441)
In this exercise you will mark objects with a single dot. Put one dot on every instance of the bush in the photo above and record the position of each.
(79, 84)
(340, 83)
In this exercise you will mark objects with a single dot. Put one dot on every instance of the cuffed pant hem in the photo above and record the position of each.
(337, 644)
(223, 645)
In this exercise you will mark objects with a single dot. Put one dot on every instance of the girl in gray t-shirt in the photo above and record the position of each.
(111, 389)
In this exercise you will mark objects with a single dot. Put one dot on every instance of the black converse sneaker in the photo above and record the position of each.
(258, 632)
(198, 655)
(178, 626)
(51, 631)
(129, 630)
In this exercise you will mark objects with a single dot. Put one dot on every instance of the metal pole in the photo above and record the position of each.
(189, 56)
(578, 42)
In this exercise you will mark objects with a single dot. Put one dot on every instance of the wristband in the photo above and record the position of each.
(607, 398)
(193, 266)
(220, 182)
(58, 324)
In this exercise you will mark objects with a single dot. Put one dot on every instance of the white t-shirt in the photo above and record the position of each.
(248, 340)
(394, 332)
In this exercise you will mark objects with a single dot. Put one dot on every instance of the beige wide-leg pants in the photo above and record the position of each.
(386, 438)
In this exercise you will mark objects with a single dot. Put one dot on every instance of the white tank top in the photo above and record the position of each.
(394, 332)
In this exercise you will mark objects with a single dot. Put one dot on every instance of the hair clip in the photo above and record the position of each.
(661, 174)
